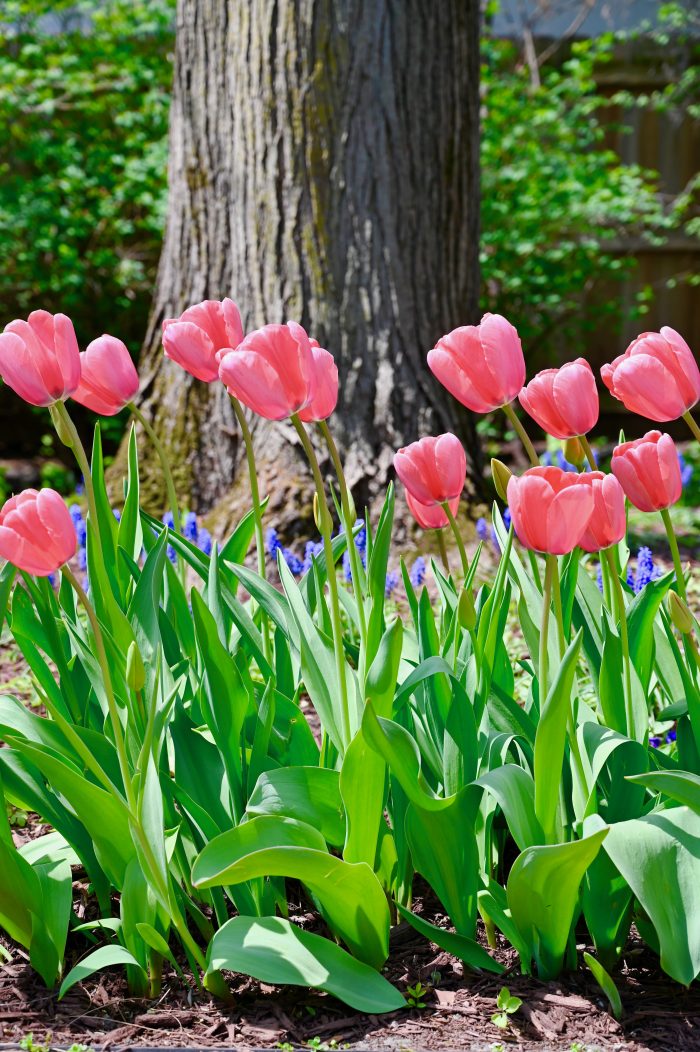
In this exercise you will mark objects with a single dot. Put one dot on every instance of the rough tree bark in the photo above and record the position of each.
(323, 167)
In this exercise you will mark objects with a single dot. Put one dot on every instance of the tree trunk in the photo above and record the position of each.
(323, 168)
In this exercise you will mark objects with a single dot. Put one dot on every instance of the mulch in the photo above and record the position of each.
(570, 1013)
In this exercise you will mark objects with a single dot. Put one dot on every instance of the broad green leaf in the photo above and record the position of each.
(308, 794)
(550, 739)
(104, 957)
(275, 951)
(683, 786)
(444, 850)
(461, 947)
(514, 791)
(399, 749)
(349, 895)
(543, 891)
(659, 857)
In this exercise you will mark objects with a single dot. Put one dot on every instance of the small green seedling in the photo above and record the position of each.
(415, 995)
(506, 1006)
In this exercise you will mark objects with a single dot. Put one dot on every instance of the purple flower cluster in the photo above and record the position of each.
(191, 531)
(486, 532)
(560, 461)
(646, 571)
(655, 742)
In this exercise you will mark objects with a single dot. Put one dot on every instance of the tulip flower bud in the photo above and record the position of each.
(135, 672)
(466, 611)
(680, 614)
(60, 427)
(501, 476)
(319, 514)
(573, 451)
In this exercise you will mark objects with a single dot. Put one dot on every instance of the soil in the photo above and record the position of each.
(570, 1013)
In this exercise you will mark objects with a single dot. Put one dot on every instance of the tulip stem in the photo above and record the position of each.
(521, 433)
(692, 424)
(254, 489)
(71, 438)
(624, 637)
(157, 878)
(563, 643)
(101, 654)
(257, 509)
(586, 445)
(550, 566)
(325, 527)
(458, 537)
(675, 554)
(349, 524)
(442, 548)
(164, 463)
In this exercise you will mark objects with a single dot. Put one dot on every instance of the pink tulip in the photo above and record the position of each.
(39, 358)
(200, 333)
(564, 402)
(108, 378)
(608, 522)
(430, 516)
(276, 372)
(657, 376)
(433, 470)
(549, 509)
(324, 386)
(36, 532)
(648, 471)
(481, 365)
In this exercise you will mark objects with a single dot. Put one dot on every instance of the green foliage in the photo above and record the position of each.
(507, 1005)
(556, 199)
(84, 95)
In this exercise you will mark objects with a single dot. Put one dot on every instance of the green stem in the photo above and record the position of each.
(349, 526)
(101, 654)
(692, 425)
(675, 554)
(71, 438)
(624, 637)
(521, 433)
(442, 548)
(254, 489)
(131, 801)
(325, 526)
(457, 536)
(588, 451)
(563, 643)
(164, 463)
(544, 627)
(257, 510)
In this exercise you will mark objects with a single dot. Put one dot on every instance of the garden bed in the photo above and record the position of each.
(569, 1014)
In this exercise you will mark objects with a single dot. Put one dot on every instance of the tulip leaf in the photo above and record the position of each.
(276, 951)
(464, 949)
(104, 957)
(349, 895)
(308, 794)
(543, 891)
(683, 786)
(514, 791)
(659, 857)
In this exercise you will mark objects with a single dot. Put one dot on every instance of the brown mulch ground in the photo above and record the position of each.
(568, 1014)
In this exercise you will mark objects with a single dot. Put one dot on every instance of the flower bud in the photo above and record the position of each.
(680, 614)
(466, 611)
(573, 451)
(501, 476)
(318, 514)
(135, 672)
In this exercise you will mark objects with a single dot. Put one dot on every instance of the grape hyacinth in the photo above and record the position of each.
(418, 571)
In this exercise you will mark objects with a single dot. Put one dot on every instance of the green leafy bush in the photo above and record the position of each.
(557, 202)
(84, 95)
